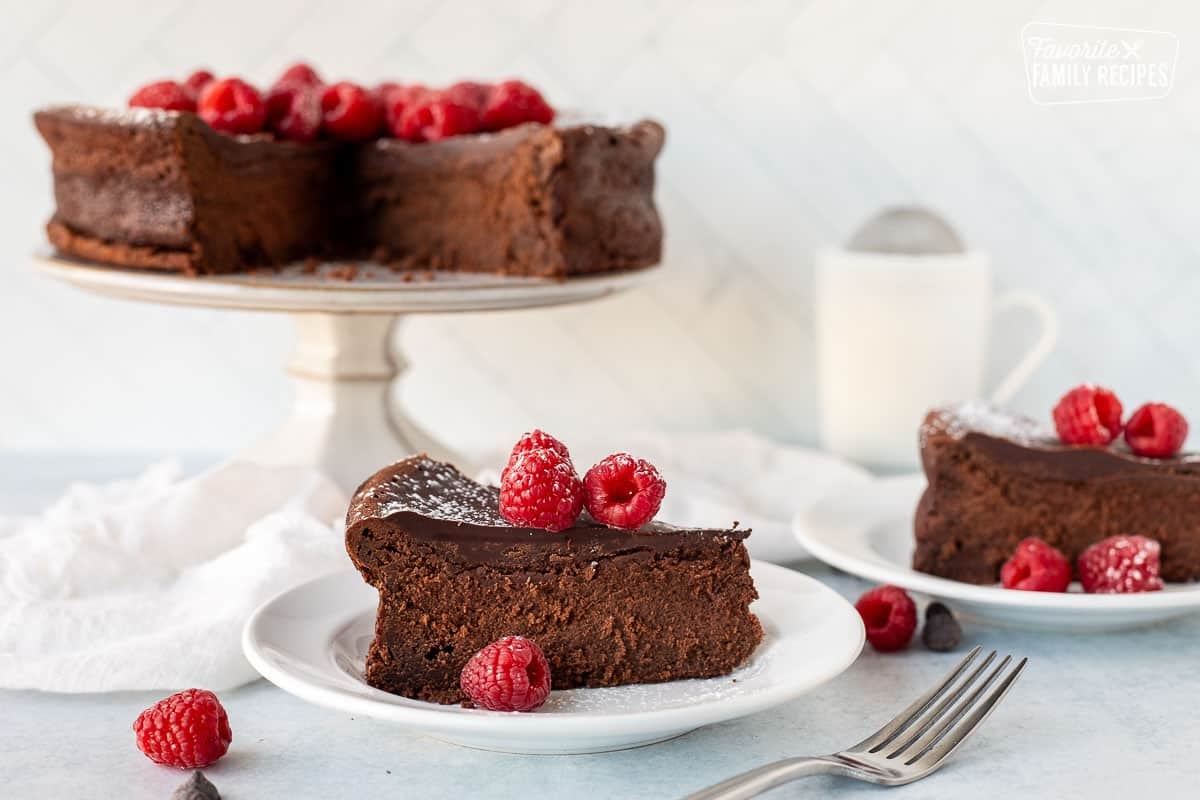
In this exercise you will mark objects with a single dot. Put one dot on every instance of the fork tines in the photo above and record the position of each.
(941, 719)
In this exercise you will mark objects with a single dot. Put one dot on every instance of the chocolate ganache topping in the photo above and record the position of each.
(434, 502)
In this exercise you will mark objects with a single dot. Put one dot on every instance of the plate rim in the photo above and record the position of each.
(434, 718)
(824, 546)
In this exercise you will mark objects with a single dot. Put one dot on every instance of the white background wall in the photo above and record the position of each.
(789, 122)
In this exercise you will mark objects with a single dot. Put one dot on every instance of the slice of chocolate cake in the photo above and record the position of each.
(162, 190)
(995, 479)
(607, 606)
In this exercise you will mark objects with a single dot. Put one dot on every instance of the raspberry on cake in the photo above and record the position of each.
(541, 490)
(605, 606)
(1088, 415)
(1156, 430)
(167, 95)
(623, 491)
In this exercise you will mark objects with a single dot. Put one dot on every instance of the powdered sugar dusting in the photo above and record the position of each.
(438, 490)
(974, 417)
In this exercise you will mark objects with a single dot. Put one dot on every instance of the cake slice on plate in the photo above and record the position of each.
(606, 606)
(995, 479)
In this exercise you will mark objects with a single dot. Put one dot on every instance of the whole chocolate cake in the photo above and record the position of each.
(158, 189)
(995, 479)
(606, 606)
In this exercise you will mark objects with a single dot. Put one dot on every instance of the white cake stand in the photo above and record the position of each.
(342, 421)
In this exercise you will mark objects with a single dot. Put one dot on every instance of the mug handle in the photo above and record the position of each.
(1042, 348)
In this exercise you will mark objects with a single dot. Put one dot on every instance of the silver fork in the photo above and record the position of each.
(913, 744)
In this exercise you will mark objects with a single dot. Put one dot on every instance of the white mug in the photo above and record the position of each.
(898, 335)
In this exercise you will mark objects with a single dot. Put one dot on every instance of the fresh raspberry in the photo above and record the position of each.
(1121, 564)
(231, 105)
(1156, 431)
(536, 439)
(351, 113)
(541, 490)
(512, 103)
(890, 617)
(1036, 567)
(301, 74)
(469, 93)
(1088, 415)
(510, 674)
(188, 730)
(168, 95)
(434, 116)
(396, 99)
(623, 492)
(196, 82)
(294, 112)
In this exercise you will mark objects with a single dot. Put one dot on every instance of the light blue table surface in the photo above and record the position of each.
(1095, 716)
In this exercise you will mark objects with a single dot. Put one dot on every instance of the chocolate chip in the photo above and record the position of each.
(942, 632)
(196, 787)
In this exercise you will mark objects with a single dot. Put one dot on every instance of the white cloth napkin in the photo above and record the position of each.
(145, 584)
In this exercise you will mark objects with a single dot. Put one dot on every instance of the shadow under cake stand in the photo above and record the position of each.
(343, 421)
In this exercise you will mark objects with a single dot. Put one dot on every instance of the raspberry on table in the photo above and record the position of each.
(890, 617)
(350, 112)
(167, 95)
(1156, 430)
(541, 490)
(189, 729)
(300, 73)
(1036, 566)
(513, 103)
(1120, 565)
(231, 105)
(294, 112)
(1088, 415)
(195, 83)
(510, 674)
(536, 439)
(623, 492)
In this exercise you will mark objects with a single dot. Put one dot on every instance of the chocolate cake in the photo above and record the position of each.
(156, 189)
(995, 479)
(607, 606)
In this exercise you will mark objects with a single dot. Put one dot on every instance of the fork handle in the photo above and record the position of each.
(756, 781)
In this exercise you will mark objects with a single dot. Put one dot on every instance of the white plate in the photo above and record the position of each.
(312, 640)
(868, 531)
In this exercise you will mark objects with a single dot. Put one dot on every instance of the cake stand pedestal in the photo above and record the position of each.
(343, 419)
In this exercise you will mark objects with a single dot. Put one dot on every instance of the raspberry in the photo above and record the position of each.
(294, 112)
(469, 93)
(1088, 415)
(623, 492)
(196, 82)
(535, 440)
(512, 103)
(541, 490)
(433, 117)
(890, 617)
(1156, 431)
(1036, 567)
(231, 105)
(300, 73)
(510, 674)
(168, 95)
(1121, 564)
(351, 113)
(396, 99)
(187, 730)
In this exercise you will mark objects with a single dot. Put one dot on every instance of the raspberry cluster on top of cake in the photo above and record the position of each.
(210, 175)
